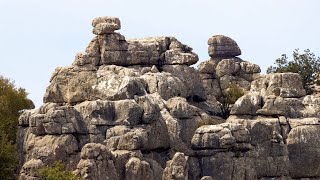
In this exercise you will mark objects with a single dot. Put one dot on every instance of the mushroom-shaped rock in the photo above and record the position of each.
(105, 25)
(223, 46)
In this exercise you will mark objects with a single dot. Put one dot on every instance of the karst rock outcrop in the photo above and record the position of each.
(137, 110)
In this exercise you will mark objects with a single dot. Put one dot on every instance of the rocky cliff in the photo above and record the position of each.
(136, 110)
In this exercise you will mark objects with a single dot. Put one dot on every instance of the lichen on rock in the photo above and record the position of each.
(137, 109)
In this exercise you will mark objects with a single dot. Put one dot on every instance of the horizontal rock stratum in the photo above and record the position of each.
(136, 110)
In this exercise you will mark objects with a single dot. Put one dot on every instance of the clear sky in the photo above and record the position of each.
(36, 36)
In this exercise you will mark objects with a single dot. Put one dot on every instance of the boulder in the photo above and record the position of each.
(160, 51)
(248, 104)
(191, 80)
(304, 151)
(105, 25)
(135, 109)
(174, 57)
(96, 163)
(228, 67)
(285, 85)
(177, 168)
(221, 136)
(143, 137)
(208, 67)
(180, 108)
(135, 169)
(289, 107)
(103, 113)
(50, 148)
(165, 84)
(223, 46)
(227, 166)
(104, 84)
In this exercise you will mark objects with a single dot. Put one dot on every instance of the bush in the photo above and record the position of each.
(56, 172)
(229, 97)
(12, 100)
(8, 160)
(307, 65)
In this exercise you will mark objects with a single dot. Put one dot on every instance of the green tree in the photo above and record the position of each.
(56, 172)
(12, 100)
(229, 97)
(306, 64)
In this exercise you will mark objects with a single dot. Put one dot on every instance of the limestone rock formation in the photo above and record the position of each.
(224, 69)
(135, 109)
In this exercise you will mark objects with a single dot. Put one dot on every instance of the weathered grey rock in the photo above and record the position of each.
(289, 107)
(93, 48)
(180, 108)
(182, 119)
(190, 78)
(105, 25)
(151, 108)
(147, 51)
(30, 169)
(226, 166)
(50, 148)
(206, 178)
(174, 57)
(312, 106)
(137, 169)
(285, 85)
(165, 84)
(120, 159)
(220, 136)
(160, 51)
(248, 104)
(177, 168)
(112, 42)
(96, 163)
(105, 84)
(83, 59)
(102, 113)
(268, 138)
(249, 68)
(223, 46)
(119, 58)
(150, 137)
(228, 67)
(227, 82)
(304, 152)
(212, 88)
(131, 106)
(208, 67)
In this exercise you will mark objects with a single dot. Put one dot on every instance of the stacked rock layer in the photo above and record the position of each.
(136, 110)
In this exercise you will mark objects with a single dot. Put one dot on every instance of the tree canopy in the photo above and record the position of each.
(12, 100)
(306, 64)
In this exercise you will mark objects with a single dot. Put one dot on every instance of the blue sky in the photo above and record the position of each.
(36, 36)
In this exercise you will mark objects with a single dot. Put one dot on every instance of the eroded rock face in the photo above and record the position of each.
(135, 109)
(177, 168)
(224, 70)
(223, 46)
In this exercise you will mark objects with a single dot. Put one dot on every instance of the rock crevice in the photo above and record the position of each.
(136, 109)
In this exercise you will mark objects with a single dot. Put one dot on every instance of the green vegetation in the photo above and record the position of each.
(56, 172)
(229, 97)
(12, 100)
(305, 64)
